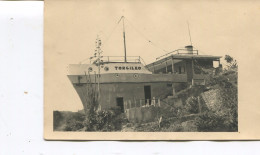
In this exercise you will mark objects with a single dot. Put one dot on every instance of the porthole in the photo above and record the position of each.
(135, 75)
(90, 69)
(117, 75)
(106, 68)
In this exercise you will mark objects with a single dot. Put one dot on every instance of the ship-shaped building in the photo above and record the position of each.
(126, 78)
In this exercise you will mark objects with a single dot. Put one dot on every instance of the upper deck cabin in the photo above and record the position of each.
(186, 62)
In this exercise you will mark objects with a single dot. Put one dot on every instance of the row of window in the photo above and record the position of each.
(177, 70)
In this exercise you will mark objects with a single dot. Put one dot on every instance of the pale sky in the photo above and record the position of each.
(71, 27)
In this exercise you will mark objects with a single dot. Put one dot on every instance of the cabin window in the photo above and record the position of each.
(179, 69)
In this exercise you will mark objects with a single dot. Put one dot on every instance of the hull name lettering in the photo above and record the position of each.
(127, 68)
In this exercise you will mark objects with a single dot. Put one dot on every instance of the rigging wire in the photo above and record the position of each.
(83, 60)
(111, 32)
(107, 38)
(141, 34)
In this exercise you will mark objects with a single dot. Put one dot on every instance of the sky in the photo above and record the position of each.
(71, 27)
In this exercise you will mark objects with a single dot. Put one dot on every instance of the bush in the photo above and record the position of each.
(74, 122)
(231, 62)
(57, 119)
(105, 120)
(209, 121)
(73, 125)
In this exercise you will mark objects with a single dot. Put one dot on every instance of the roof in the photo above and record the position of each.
(185, 56)
(190, 56)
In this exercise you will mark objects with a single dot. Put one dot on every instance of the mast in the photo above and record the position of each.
(124, 36)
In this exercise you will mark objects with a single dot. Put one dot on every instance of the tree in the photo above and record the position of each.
(232, 63)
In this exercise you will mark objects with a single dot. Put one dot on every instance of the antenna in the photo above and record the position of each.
(124, 36)
(189, 32)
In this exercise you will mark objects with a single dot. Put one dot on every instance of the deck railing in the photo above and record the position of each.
(136, 59)
(128, 104)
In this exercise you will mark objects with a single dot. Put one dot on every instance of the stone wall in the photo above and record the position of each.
(141, 114)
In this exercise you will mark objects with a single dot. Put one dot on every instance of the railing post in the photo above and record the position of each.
(159, 103)
(199, 101)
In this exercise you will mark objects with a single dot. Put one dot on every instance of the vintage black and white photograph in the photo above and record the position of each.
(123, 76)
(139, 66)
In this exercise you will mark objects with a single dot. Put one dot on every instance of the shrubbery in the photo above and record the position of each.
(74, 122)
(105, 120)
(57, 119)
(210, 121)
(68, 121)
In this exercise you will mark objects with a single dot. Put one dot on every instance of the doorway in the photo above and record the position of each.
(120, 103)
(147, 94)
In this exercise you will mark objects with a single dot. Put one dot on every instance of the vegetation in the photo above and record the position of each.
(105, 120)
(68, 121)
(224, 118)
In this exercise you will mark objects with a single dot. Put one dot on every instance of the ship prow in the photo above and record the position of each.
(110, 66)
